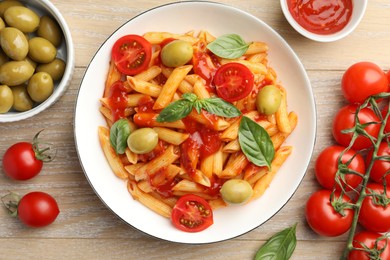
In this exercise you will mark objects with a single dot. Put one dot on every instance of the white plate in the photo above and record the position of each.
(231, 221)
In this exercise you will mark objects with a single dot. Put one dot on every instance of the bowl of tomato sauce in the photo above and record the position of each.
(324, 20)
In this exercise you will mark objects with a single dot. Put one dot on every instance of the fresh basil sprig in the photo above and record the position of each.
(183, 107)
(255, 143)
(280, 246)
(228, 46)
(119, 133)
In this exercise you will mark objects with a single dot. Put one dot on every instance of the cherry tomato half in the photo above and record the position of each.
(370, 240)
(327, 164)
(362, 80)
(372, 216)
(131, 54)
(233, 81)
(192, 214)
(345, 119)
(37, 209)
(322, 217)
(380, 168)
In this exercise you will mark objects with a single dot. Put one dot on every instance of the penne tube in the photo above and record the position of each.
(149, 74)
(256, 68)
(170, 136)
(206, 166)
(133, 168)
(188, 186)
(150, 120)
(257, 47)
(113, 76)
(158, 37)
(200, 90)
(281, 116)
(218, 162)
(232, 147)
(144, 87)
(237, 162)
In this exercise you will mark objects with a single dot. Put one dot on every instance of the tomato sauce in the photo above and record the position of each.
(321, 16)
(117, 100)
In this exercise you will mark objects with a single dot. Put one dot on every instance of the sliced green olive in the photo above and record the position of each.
(6, 99)
(236, 191)
(268, 100)
(40, 86)
(14, 73)
(14, 43)
(22, 18)
(22, 101)
(41, 50)
(142, 140)
(176, 53)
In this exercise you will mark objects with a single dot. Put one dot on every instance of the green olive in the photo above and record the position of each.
(56, 68)
(41, 50)
(3, 57)
(40, 86)
(176, 53)
(268, 100)
(142, 140)
(22, 18)
(4, 5)
(14, 43)
(14, 73)
(50, 30)
(22, 101)
(6, 99)
(236, 191)
(2, 24)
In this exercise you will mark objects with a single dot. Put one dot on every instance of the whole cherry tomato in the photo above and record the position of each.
(384, 113)
(322, 216)
(345, 119)
(327, 164)
(362, 80)
(373, 242)
(381, 167)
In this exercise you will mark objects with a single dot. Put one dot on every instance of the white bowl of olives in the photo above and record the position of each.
(36, 58)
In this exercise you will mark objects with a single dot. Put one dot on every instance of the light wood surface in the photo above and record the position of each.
(86, 229)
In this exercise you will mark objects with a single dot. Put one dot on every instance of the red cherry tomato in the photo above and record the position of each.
(345, 119)
(37, 209)
(384, 113)
(23, 160)
(192, 213)
(131, 54)
(322, 217)
(233, 81)
(370, 240)
(380, 168)
(372, 216)
(362, 80)
(327, 164)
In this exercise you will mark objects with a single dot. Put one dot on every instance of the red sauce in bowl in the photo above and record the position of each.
(321, 16)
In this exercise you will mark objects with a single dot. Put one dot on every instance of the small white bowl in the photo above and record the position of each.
(65, 51)
(358, 10)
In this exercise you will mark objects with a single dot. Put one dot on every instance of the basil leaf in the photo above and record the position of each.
(219, 107)
(119, 133)
(229, 46)
(190, 97)
(280, 246)
(255, 143)
(175, 111)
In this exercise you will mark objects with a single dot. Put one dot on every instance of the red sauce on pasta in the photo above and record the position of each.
(117, 99)
(321, 16)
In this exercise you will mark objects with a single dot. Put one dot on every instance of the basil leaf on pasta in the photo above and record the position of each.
(228, 46)
(119, 132)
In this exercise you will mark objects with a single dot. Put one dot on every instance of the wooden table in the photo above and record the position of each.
(86, 229)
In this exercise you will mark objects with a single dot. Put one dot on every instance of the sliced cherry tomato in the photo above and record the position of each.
(376, 243)
(131, 54)
(192, 213)
(375, 211)
(327, 164)
(323, 218)
(362, 80)
(381, 168)
(345, 119)
(233, 81)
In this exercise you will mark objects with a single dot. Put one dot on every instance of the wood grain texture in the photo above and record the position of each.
(86, 229)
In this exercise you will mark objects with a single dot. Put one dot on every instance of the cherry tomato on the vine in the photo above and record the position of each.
(362, 80)
(192, 213)
(384, 112)
(322, 216)
(372, 241)
(345, 119)
(327, 164)
(381, 167)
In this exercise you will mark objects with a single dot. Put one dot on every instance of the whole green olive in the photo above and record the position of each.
(22, 18)
(41, 50)
(14, 73)
(3, 57)
(50, 30)
(14, 43)
(56, 68)
(236, 191)
(6, 99)
(142, 140)
(4, 5)
(268, 100)
(22, 101)
(2, 24)
(176, 53)
(40, 86)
